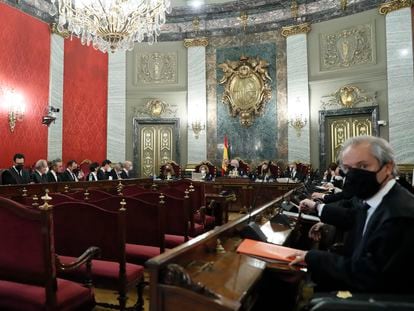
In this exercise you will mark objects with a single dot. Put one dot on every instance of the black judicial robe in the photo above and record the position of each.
(11, 177)
(38, 179)
(383, 262)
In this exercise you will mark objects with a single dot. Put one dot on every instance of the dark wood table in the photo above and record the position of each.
(207, 273)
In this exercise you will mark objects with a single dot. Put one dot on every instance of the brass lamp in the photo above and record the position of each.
(298, 122)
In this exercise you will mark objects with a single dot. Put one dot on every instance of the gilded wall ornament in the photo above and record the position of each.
(348, 47)
(156, 68)
(246, 87)
(347, 97)
(394, 5)
(202, 41)
(296, 29)
(155, 108)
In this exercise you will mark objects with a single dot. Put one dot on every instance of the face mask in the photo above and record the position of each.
(362, 183)
(19, 167)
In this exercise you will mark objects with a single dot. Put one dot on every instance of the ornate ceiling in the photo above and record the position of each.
(221, 17)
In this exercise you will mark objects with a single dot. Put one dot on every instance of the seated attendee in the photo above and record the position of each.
(233, 168)
(93, 175)
(330, 172)
(55, 171)
(40, 171)
(126, 170)
(71, 172)
(117, 169)
(106, 172)
(293, 173)
(380, 225)
(16, 175)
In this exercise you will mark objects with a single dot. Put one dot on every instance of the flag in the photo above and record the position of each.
(225, 156)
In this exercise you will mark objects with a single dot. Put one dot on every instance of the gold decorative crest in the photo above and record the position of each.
(195, 42)
(246, 88)
(347, 96)
(394, 5)
(155, 108)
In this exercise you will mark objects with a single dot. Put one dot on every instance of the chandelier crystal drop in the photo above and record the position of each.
(111, 25)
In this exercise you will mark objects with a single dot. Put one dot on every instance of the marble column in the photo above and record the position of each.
(196, 100)
(116, 119)
(400, 76)
(298, 92)
(54, 144)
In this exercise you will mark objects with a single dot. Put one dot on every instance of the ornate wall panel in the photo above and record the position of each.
(346, 48)
(156, 67)
(148, 134)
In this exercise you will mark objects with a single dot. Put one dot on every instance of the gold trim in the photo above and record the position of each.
(53, 29)
(296, 29)
(203, 41)
(405, 168)
(394, 5)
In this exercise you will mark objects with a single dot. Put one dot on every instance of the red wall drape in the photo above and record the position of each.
(24, 67)
(84, 102)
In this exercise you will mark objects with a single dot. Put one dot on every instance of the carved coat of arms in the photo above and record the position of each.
(246, 87)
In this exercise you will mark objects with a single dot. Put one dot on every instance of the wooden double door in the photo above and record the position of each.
(156, 142)
(336, 126)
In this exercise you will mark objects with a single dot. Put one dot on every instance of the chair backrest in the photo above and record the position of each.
(131, 190)
(84, 166)
(27, 250)
(61, 198)
(177, 212)
(170, 167)
(79, 225)
(208, 166)
(144, 221)
(94, 195)
(243, 167)
(273, 169)
(304, 169)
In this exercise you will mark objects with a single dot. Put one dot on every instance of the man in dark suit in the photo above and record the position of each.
(39, 174)
(106, 172)
(293, 173)
(16, 175)
(126, 170)
(380, 225)
(55, 171)
(70, 174)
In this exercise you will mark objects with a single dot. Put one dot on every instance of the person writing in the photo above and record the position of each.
(380, 225)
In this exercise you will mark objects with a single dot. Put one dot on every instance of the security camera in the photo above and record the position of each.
(47, 120)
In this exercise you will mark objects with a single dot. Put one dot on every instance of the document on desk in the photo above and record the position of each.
(267, 251)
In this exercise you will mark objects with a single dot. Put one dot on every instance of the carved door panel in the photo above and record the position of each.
(156, 148)
(340, 128)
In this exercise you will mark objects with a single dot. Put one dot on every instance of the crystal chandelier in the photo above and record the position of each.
(111, 25)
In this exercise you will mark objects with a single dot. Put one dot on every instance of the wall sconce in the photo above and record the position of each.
(197, 127)
(15, 107)
(298, 123)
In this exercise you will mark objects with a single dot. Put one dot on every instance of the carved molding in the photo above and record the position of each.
(246, 87)
(348, 47)
(156, 68)
(155, 108)
(53, 29)
(296, 29)
(195, 42)
(394, 5)
(175, 275)
(347, 97)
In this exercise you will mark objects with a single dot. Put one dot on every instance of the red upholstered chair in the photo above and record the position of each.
(170, 168)
(27, 264)
(132, 190)
(304, 169)
(84, 167)
(243, 167)
(144, 227)
(78, 224)
(178, 223)
(272, 171)
(208, 166)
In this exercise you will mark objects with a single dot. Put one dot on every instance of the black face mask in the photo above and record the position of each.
(19, 167)
(361, 183)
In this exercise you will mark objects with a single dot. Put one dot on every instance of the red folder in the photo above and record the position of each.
(268, 251)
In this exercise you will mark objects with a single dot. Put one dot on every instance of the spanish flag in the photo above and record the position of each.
(225, 161)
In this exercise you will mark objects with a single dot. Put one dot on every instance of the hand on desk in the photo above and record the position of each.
(307, 205)
(315, 233)
(298, 258)
(318, 195)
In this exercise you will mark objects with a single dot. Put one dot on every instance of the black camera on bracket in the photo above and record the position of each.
(50, 116)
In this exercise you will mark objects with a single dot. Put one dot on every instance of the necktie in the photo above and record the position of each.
(359, 235)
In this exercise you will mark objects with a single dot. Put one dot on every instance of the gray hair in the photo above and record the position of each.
(380, 149)
(40, 163)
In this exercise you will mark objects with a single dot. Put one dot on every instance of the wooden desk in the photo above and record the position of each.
(197, 276)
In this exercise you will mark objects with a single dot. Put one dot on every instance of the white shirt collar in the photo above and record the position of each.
(377, 198)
